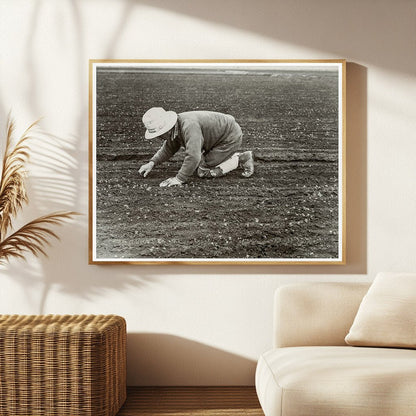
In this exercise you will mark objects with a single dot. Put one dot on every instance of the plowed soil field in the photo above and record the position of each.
(287, 210)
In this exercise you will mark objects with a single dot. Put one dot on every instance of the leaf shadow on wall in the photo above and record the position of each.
(60, 182)
(164, 359)
(53, 187)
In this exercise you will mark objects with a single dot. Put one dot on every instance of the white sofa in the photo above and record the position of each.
(311, 371)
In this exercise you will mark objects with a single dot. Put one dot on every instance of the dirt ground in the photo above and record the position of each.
(287, 210)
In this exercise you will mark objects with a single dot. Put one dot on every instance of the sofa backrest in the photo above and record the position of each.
(308, 314)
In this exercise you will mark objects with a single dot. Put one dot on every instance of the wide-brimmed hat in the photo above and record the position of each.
(158, 121)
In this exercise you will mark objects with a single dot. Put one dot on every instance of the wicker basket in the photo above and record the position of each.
(71, 365)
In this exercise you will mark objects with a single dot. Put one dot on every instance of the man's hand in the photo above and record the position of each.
(146, 168)
(171, 182)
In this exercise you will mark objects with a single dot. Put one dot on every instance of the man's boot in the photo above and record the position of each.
(246, 162)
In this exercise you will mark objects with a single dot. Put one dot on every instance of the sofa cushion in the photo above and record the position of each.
(342, 381)
(387, 314)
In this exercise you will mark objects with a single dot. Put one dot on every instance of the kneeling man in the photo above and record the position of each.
(212, 143)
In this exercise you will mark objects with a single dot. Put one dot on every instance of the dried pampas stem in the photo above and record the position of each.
(12, 183)
(34, 236)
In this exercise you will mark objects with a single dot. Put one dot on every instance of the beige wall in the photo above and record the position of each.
(204, 325)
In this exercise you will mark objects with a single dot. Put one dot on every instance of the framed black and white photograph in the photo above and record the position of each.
(217, 162)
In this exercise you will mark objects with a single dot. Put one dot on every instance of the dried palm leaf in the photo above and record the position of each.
(33, 237)
(12, 182)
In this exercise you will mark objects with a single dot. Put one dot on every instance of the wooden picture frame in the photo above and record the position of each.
(290, 211)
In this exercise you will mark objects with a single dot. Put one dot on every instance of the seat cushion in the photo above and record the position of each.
(341, 381)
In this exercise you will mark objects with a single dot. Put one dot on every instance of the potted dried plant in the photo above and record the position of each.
(34, 236)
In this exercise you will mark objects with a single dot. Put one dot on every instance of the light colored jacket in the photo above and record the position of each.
(197, 132)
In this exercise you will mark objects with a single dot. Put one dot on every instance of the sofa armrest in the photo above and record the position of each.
(315, 313)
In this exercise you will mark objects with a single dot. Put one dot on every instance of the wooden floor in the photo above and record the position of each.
(187, 401)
